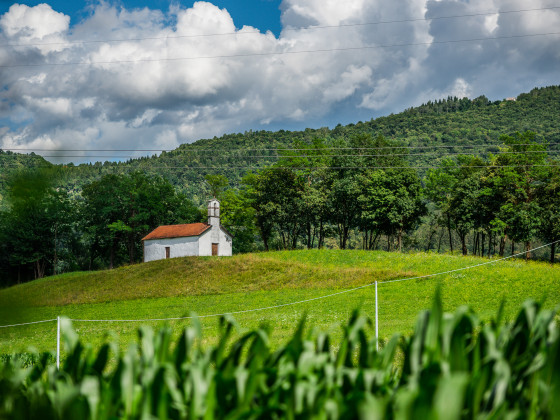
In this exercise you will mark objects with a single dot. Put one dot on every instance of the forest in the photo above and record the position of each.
(455, 175)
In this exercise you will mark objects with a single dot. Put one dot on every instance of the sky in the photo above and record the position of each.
(139, 75)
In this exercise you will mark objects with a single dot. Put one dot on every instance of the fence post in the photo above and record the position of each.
(376, 320)
(57, 343)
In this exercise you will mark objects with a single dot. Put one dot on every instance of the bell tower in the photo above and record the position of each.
(214, 221)
(214, 212)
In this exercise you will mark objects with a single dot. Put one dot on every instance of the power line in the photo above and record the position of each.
(197, 149)
(437, 154)
(121, 165)
(264, 54)
(382, 22)
(318, 156)
(349, 167)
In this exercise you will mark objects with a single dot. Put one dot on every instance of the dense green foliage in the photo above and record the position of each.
(297, 203)
(122, 209)
(45, 230)
(475, 184)
(11, 162)
(38, 221)
(451, 122)
(314, 200)
(452, 366)
(506, 196)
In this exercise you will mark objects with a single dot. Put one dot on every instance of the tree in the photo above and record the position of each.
(345, 204)
(549, 203)
(252, 184)
(120, 209)
(102, 207)
(350, 176)
(276, 194)
(516, 175)
(37, 217)
(310, 164)
(395, 202)
(439, 185)
(463, 207)
(217, 184)
(238, 217)
(63, 213)
(456, 189)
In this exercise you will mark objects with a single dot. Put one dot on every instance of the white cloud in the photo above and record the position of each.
(145, 119)
(388, 90)
(40, 24)
(17, 140)
(55, 106)
(349, 82)
(204, 19)
(461, 89)
(491, 22)
(167, 139)
(33, 23)
(321, 12)
(152, 88)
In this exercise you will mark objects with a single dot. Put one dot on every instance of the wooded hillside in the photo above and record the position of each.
(462, 175)
(449, 122)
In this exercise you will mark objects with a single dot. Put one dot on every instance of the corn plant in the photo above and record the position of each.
(452, 367)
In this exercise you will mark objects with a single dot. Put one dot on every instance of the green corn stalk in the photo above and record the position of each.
(455, 367)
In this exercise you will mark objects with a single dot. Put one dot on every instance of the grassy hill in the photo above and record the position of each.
(206, 286)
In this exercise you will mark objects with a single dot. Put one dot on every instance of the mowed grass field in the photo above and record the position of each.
(206, 286)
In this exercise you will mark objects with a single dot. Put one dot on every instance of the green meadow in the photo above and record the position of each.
(243, 284)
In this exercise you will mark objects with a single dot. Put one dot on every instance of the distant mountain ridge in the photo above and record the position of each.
(452, 122)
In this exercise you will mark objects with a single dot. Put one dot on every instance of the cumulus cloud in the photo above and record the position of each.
(141, 78)
(26, 25)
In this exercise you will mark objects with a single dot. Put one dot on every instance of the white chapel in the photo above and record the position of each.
(192, 239)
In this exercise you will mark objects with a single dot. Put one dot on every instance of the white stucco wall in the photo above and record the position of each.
(205, 244)
(154, 249)
(226, 246)
(215, 235)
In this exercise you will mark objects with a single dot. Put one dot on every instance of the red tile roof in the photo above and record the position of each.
(177, 231)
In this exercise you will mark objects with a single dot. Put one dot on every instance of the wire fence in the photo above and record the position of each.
(345, 291)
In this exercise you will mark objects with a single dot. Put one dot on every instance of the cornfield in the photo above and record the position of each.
(452, 367)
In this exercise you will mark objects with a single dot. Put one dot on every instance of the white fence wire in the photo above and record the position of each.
(375, 283)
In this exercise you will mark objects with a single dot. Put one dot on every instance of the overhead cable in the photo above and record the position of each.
(288, 29)
(121, 165)
(192, 148)
(273, 53)
(318, 156)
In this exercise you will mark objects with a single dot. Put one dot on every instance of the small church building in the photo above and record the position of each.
(192, 239)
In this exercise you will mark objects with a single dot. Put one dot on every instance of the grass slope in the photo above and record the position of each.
(179, 287)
